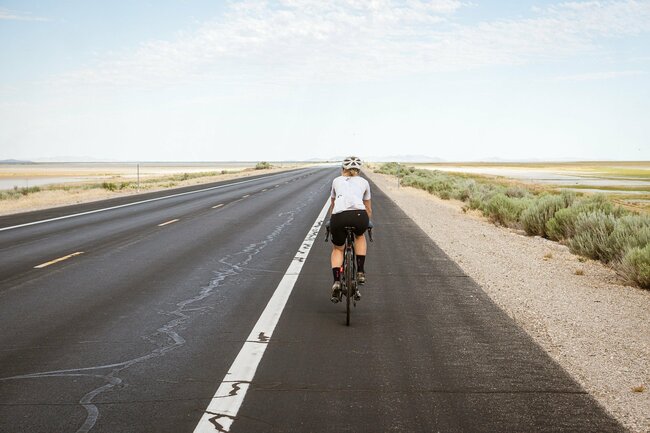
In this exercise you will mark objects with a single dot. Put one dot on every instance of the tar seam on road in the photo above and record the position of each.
(168, 222)
(222, 409)
(60, 259)
(130, 204)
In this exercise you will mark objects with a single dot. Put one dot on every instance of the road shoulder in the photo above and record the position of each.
(595, 327)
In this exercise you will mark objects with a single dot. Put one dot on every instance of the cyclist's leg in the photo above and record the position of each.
(360, 245)
(336, 258)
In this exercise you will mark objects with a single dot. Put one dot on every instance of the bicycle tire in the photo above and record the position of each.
(348, 285)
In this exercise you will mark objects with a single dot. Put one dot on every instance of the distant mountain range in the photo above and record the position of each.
(14, 161)
(393, 158)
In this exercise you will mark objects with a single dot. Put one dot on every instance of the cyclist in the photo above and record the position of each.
(350, 207)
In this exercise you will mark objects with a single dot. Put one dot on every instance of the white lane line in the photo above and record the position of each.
(247, 195)
(60, 259)
(217, 206)
(264, 190)
(130, 204)
(168, 222)
(222, 409)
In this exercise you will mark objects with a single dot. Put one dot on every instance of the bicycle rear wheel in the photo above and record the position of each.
(348, 271)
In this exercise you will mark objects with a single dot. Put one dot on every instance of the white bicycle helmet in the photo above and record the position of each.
(352, 162)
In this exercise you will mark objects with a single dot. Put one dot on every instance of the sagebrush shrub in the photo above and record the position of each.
(535, 217)
(110, 186)
(592, 231)
(635, 266)
(504, 210)
(629, 231)
(562, 226)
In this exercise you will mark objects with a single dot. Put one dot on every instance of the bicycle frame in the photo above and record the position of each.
(349, 269)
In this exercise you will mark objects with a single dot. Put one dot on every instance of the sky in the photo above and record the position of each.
(198, 80)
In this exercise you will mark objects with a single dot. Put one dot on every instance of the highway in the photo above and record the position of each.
(207, 309)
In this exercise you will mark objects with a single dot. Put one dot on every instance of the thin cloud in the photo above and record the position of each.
(598, 76)
(358, 40)
(6, 14)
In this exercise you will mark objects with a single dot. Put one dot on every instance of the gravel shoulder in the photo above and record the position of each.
(581, 313)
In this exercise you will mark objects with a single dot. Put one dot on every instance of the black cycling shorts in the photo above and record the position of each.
(349, 218)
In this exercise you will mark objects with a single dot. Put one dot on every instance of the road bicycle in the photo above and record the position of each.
(349, 286)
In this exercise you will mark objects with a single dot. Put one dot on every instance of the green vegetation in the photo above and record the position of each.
(18, 192)
(635, 266)
(262, 165)
(592, 226)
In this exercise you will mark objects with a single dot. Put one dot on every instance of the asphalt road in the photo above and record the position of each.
(137, 328)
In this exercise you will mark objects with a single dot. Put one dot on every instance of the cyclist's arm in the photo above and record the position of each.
(368, 206)
(329, 212)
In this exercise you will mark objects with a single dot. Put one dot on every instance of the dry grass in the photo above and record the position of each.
(579, 272)
(640, 388)
(548, 256)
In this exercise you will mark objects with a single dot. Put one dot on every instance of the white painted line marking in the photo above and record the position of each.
(131, 204)
(60, 259)
(217, 206)
(276, 186)
(222, 409)
(168, 222)
(247, 195)
(264, 190)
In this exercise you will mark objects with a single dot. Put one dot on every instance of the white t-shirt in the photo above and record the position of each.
(349, 193)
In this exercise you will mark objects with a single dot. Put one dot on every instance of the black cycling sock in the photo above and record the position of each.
(361, 260)
(336, 272)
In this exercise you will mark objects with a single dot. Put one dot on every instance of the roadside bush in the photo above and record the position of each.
(535, 217)
(395, 169)
(630, 231)
(517, 192)
(463, 189)
(504, 210)
(635, 266)
(432, 182)
(9, 195)
(563, 224)
(592, 231)
(262, 165)
(110, 186)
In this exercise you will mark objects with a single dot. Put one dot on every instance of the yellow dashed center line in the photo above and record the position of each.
(60, 259)
(219, 205)
(168, 222)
